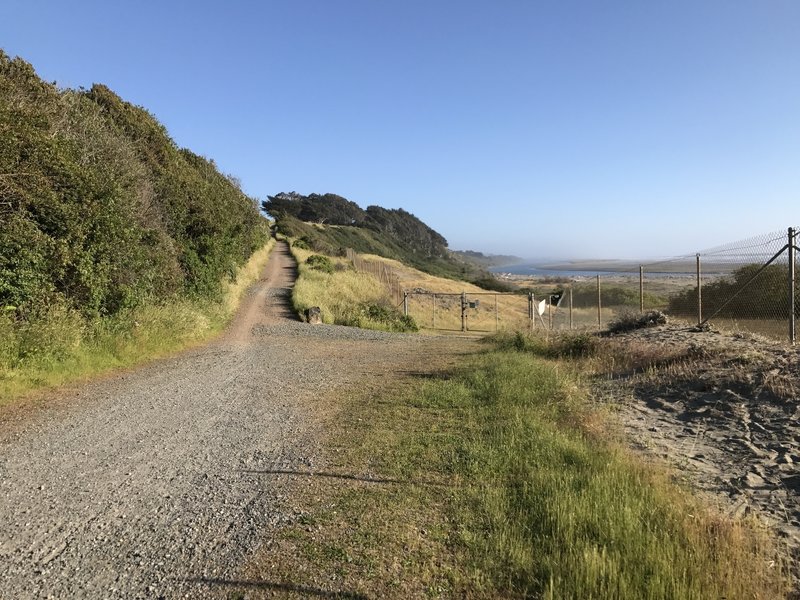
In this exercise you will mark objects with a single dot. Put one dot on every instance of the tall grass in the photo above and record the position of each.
(499, 480)
(554, 509)
(58, 346)
(536, 499)
(344, 296)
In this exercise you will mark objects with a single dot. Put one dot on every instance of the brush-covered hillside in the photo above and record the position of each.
(115, 244)
(330, 224)
(100, 210)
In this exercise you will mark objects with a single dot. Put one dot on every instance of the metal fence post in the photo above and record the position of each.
(599, 304)
(699, 293)
(570, 307)
(792, 282)
(641, 289)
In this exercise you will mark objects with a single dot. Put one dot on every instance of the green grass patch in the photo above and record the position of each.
(498, 481)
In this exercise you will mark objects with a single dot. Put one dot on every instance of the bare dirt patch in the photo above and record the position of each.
(723, 408)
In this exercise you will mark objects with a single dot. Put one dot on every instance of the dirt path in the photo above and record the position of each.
(163, 481)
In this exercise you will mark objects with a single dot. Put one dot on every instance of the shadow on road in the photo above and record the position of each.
(341, 476)
(279, 587)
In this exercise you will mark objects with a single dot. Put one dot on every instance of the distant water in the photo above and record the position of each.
(526, 269)
(532, 270)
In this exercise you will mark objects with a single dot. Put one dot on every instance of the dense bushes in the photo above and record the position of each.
(101, 213)
(766, 296)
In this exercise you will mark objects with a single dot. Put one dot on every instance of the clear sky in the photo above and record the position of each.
(613, 129)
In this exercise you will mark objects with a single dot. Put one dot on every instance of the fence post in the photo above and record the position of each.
(550, 312)
(641, 289)
(699, 293)
(570, 307)
(496, 316)
(599, 304)
(463, 311)
(792, 282)
(405, 303)
(532, 322)
(434, 311)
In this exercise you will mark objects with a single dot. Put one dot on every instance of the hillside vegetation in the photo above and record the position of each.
(329, 224)
(102, 214)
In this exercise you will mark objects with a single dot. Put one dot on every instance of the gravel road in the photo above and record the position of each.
(156, 482)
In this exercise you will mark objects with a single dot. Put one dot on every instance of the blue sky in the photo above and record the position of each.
(565, 129)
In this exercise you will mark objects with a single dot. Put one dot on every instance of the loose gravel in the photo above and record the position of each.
(161, 482)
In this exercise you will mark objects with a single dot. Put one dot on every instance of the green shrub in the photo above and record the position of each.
(375, 316)
(301, 243)
(561, 345)
(320, 263)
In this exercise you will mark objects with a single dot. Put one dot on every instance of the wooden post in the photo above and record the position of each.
(641, 289)
(496, 316)
(550, 312)
(463, 311)
(599, 304)
(405, 303)
(434, 311)
(531, 320)
(699, 293)
(570, 306)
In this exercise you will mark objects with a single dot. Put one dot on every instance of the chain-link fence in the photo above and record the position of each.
(472, 311)
(748, 285)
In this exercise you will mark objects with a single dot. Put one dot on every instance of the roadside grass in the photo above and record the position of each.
(344, 296)
(61, 347)
(499, 481)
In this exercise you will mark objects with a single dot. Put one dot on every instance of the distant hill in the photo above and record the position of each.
(330, 224)
(488, 261)
(100, 210)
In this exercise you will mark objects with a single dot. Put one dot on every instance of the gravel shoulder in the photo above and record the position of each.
(161, 481)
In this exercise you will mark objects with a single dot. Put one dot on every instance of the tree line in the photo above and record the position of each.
(329, 223)
(331, 209)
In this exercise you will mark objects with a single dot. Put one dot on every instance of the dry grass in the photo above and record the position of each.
(345, 297)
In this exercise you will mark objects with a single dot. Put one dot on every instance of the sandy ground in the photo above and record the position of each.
(163, 481)
(724, 409)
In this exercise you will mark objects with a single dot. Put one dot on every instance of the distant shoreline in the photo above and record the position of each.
(586, 270)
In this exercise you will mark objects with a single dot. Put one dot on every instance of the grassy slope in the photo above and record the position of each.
(334, 240)
(346, 297)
